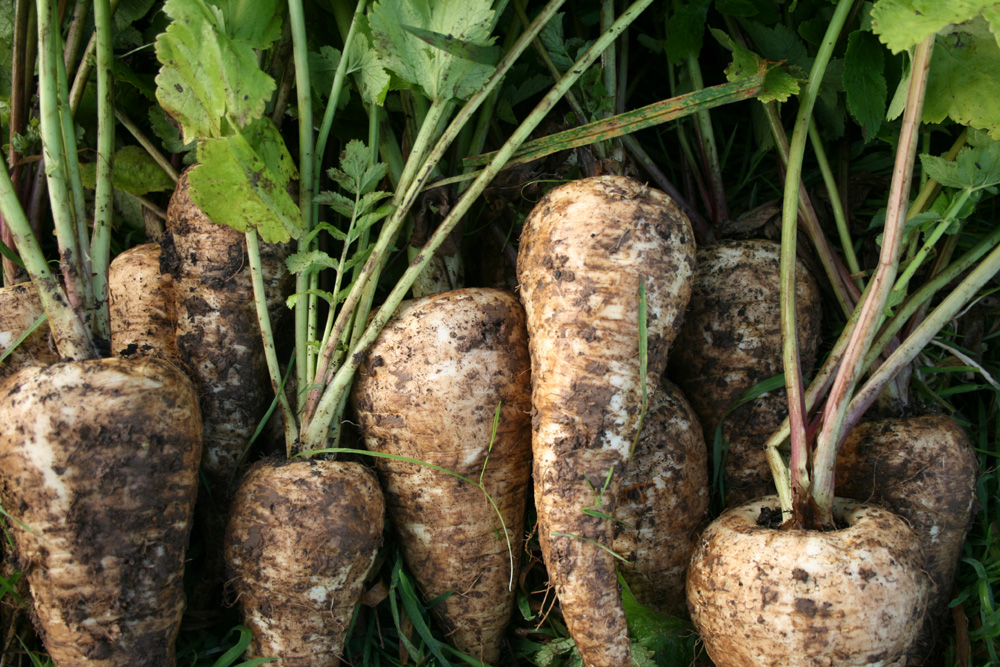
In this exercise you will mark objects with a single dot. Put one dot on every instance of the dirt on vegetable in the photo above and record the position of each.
(99, 464)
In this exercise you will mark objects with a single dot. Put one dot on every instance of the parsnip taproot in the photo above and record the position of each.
(925, 470)
(217, 333)
(731, 341)
(99, 470)
(20, 309)
(142, 305)
(663, 502)
(219, 342)
(586, 249)
(429, 389)
(762, 595)
(301, 540)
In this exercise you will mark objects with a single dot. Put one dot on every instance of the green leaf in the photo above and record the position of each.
(322, 69)
(484, 55)
(236, 185)
(370, 199)
(127, 13)
(309, 261)
(864, 82)
(294, 298)
(359, 257)
(901, 24)
(779, 84)
(962, 83)
(135, 172)
(974, 168)
(992, 16)
(342, 205)
(812, 30)
(255, 22)
(438, 73)
(778, 43)
(6, 47)
(144, 83)
(271, 148)
(207, 73)
(686, 30)
(167, 133)
(554, 39)
(363, 61)
(233, 654)
(357, 174)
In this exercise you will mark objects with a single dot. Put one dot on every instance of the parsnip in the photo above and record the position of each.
(20, 308)
(99, 470)
(853, 597)
(925, 470)
(663, 502)
(217, 332)
(731, 341)
(429, 390)
(142, 305)
(302, 538)
(585, 250)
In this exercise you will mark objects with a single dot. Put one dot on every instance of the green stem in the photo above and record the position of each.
(844, 290)
(270, 355)
(629, 142)
(923, 296)
(846, 245)
(931, 187)
(72, 164)
(423, 143)
(335, 90)
(831, 433)
(74, 36)
(709, 146)
(922, 335)
(19, 98)
(83, 71)
(609, 63)
(391, 227)
(899, 290)
(389, 232)
(151, 148)
(54, 154)
(305, 357)
(100, 247)
(315, 432)
(72, 339)
(789, 229)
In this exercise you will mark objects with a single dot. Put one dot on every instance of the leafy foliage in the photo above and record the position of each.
(963, 85)
(685, 31)
(779, 84)
(864, 81)
(439, 74)
(358, 176)
(242, 182)
(903, 23)
(135, 172)
(210, 70)
(975, 167)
